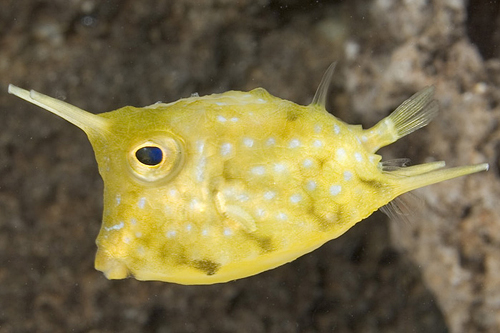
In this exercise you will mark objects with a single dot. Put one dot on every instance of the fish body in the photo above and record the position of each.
(215, 188)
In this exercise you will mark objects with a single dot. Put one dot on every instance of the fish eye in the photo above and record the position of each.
(158, 159)
(149, 155)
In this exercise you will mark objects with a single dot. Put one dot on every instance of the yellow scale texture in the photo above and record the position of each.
(215, 188)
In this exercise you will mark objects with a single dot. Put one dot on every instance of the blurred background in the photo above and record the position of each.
(439, 272)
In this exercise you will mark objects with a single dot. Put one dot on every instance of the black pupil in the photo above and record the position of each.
(149, 155)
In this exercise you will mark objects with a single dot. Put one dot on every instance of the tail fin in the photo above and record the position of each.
(414, 113)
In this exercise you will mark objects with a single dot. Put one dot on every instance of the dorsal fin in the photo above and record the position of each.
(322, 91)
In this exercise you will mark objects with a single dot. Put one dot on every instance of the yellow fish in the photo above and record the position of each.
(215, 188)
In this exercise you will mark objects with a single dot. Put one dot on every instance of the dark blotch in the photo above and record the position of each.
(265, 243)
(207, 266)
(292, 115)
(371, 183)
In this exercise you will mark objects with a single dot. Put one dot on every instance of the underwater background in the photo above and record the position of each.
(437, 270)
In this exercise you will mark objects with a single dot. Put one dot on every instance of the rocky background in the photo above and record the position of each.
(438, 272)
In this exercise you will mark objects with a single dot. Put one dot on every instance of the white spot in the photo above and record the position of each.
(317, 128)
(142, 202)
(126, 240)
(243, 197)
(133, 221)
(341, 153)
(171, 233)
(115, 227)
(252, 255)
(296, 198)
(279, 167)
(335, 189)
(138, 234)
(260, 100)
(226, 148)
(358, 157)
(336, 129)
(271, 142)
(200, 169)
(221, 119)
(347, 175)
(229, 192)
(307, 163)
(234, 119)
(248, 142)
(106, 161)
(227, 232)
(118, 199)
(204, 232)
(294, 143)
(301, 224)
(220, 103)
(372, 158)
(282, 216)
(195, 204)
(189, 227)
(269, 195)
(330, 217)
(200, 146)
(260, 212)
(317, 143)
(311, 185)
(258, 170)
(173, 192)
(364, 138)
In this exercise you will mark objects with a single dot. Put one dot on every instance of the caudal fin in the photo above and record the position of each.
(414, 113)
